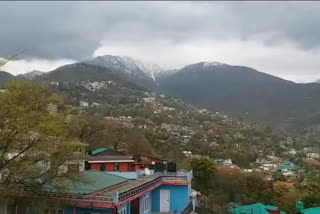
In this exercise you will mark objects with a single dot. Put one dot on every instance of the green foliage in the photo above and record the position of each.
(312, 197)
(203, 170)
(30, 138)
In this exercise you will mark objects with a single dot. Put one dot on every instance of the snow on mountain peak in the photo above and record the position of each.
(33, 74)
(212, 64)
(131, 66)
(152, 70)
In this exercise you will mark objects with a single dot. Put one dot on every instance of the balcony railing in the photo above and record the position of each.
(121, 192)
(121, 196)
(188, 209)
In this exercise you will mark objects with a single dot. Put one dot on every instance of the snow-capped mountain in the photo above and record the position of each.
(152, 70)
(144, 74)
(31, 75)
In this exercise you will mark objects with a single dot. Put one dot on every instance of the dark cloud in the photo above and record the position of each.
(74, 30)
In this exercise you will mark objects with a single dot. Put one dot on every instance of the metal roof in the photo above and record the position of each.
(257, 208)
(96, 151)
(315, 210)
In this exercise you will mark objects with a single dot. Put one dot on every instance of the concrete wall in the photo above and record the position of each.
(80, 210)
(179, 197)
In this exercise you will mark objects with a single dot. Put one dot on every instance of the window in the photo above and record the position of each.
(103, 167)
(146, 203)
(122, 210)
(116, 167)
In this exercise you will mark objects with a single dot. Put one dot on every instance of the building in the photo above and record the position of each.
(83, 103)
(257, 208)
(313, 155)
(104, 193)
(287, 168)
(146, 161)
(109, 160)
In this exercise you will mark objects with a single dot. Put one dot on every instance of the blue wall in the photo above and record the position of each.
(69, 210)
(129, 207)
(179, 197)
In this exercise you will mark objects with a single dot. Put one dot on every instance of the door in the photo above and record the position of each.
(164, 200)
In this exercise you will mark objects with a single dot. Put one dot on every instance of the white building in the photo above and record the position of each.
(313, 155)
(83, 103)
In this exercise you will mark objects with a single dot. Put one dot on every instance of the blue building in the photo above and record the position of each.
(106, 193)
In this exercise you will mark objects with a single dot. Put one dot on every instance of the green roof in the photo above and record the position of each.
(219, 160)
(287, 163)
(257, 208)
(91, 181)
(286, 167)
(315, 210)
(96, 151)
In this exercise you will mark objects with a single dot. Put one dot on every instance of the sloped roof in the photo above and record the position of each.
(96, 151)
(107, 152)
(91, 181)
(315, 210)
(257, 208)
(110, 158)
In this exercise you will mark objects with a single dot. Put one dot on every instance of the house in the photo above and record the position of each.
(83, 103)
(104, 193)
(146, 161)
(108, 160)
(149, 99)
(313, 155)
(257, 208)
(287, 168)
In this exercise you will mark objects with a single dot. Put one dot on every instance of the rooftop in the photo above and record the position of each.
(96, 151)
(112, 189)
(257, 208)
(315, 210)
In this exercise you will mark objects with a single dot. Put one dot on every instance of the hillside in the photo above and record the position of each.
(134, 71)
(238, 91)
(5, 77)
(31, 75)
(81, 72)
(244, 92)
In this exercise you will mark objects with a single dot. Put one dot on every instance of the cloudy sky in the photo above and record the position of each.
(279, 38)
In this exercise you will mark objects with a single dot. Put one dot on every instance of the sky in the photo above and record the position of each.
(279, 38)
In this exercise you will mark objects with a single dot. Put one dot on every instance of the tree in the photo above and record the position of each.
(203, 169)
(5, 60)
(87, 129)
(33, 142)
(138, 144)
(312, 197)
(116, 135)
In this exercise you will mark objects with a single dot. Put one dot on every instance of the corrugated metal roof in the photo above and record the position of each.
(96, 151)
(315, 210)
(90, 181)
(257, 208)
(110, 158)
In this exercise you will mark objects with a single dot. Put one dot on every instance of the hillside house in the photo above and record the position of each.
(313, 155)
(149, 99)
(104, 193)
(83, 103)
(287, 168)
(109, 160)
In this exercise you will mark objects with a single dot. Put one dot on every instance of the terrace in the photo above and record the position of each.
(119, 192)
